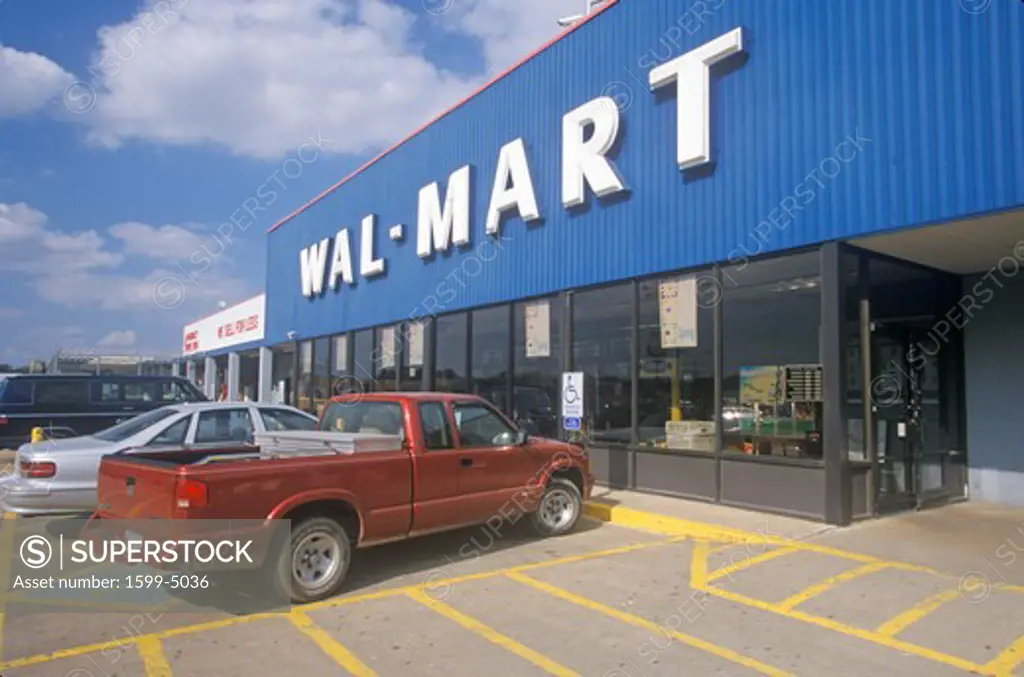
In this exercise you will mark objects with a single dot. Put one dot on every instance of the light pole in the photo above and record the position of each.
(590, 7)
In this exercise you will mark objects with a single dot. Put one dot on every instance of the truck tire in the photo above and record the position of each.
(318, 559)
(559, 510)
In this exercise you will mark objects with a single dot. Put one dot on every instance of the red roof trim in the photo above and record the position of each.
(370, 163)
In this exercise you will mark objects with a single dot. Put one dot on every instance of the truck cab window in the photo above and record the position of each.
(481, 427)
(372, 417)
(437, 433)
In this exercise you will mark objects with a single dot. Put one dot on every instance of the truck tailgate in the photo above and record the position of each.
(130, 488)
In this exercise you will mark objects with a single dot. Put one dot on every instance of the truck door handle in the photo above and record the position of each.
(466, 462)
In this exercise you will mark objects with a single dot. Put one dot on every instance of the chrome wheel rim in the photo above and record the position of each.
(316, 559)
(558, 509)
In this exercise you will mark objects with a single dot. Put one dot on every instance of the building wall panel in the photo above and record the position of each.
(937, 90)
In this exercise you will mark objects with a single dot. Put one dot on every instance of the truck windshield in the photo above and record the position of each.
(380, 418)
(134, 426)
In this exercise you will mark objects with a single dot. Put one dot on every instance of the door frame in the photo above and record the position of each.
(948, 290)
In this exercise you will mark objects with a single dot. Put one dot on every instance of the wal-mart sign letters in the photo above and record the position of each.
(328, 263)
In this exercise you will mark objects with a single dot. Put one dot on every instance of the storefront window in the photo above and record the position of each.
(364, 368)
(538, 366)
(411, 340)
(340, 374)
(490, 356)
(602, 336)
(305, 385)
(283, 374)
(676, 370)
(772, 387)
(249, 375)
(385, 359)
(321, 373)
(222, 377)
(452, 345)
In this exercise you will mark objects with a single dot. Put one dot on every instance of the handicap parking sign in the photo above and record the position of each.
(571, 423)
(572, 395)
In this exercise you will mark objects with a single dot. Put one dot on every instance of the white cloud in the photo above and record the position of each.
(28, 81)
(159, 290)
(23, 229)
(509, 31)
(123, 338)
(164, 243)
(259, 77)
(81, 270)
(20, 222)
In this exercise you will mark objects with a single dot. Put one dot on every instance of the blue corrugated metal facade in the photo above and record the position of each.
(933, 95)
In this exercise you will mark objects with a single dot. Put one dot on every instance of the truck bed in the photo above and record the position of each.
(240, 484)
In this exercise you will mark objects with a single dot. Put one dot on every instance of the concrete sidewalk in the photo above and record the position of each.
(979, 539)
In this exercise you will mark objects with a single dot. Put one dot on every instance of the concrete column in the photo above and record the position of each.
(234, 376)
(190, 370)
(210, 378)
(265, 387)
(175, 368)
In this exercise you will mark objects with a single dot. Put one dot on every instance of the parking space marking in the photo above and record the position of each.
(860, 633)
(490, 634)
(6, 555)
(330, 646)
(730, 569)
(818, 588)
(1004, 664)
(329, 603)
(153, 658)
(650, 626)
(901, 622)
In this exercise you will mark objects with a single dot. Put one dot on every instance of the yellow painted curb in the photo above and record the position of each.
(672, 526)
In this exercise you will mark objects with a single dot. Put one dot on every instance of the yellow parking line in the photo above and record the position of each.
(851, 631)
(6, 557)
(690, 640)
(493, 636)
(730, 569)
(329, 603)
(153, 657)
(1004, 664)
(699, 564)
(329, 645)
(818, 588)
(901, 622)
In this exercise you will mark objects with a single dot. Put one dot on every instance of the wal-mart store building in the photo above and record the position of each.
(782, 241)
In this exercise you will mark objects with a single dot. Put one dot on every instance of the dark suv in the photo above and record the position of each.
(68, 405)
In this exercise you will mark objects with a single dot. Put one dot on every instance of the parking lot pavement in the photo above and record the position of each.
(634, 595)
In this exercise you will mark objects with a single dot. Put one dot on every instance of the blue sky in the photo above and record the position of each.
(130, 130)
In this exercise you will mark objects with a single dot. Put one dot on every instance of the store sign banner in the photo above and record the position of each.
(239, 324)
(677, 304)
(443, 218)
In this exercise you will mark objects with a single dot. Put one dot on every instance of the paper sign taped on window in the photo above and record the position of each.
(677, 306)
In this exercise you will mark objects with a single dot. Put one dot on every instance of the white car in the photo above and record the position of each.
(59, 476)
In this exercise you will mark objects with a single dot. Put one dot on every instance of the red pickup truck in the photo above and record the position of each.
(456, 461)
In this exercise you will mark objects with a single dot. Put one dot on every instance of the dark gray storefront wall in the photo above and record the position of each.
(790, 488)
(682, 475)
(994, 356)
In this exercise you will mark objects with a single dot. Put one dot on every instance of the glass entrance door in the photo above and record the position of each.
(914, 404)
